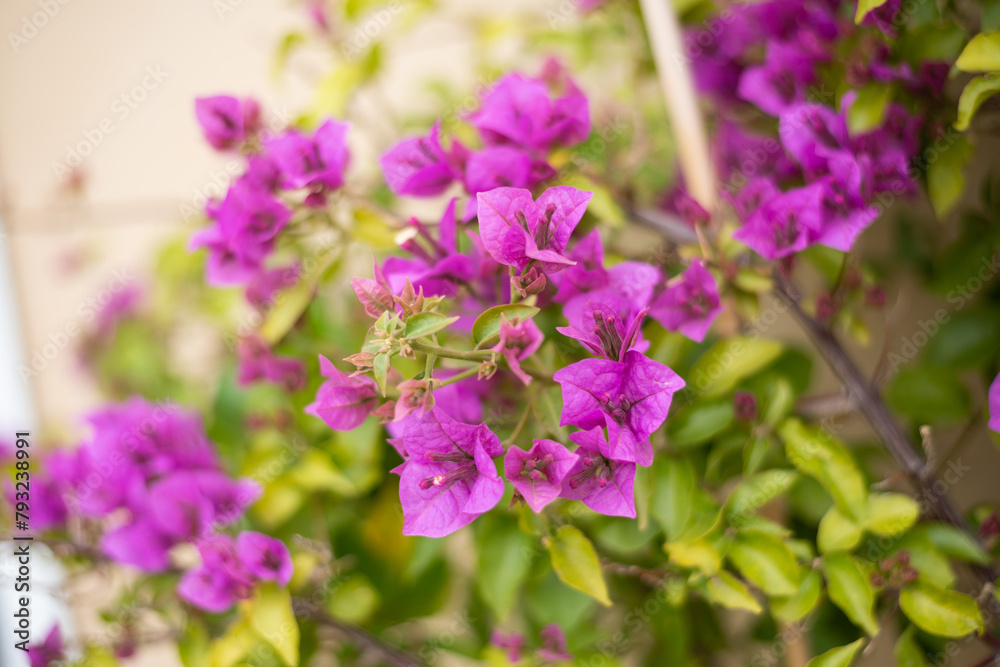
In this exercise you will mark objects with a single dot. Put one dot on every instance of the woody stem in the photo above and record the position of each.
(870, 402)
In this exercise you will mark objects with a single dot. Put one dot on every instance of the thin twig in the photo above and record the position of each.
(871, 405)
(361, 637)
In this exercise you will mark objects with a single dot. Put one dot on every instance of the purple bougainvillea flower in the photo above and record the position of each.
(538, 473)
(689, 304)
(784, 224)
(318, 160)
(606, 335)
(220, 581)
(519, 111)
(343, 402)
(588, 274)
(517, 230)
(266, 285)
(512, 643)
(51, 651)
(228, 265)
(518, 341)
(250, 217)
(227, 121)
(553, 644)
(265, 558)
(419, 166)
(811, 133)
(436, 266)
(752, 196)
(845, 214)
(994, 404)
(498, 166)
(258, 362)
(631, 398)
(178, 507)
(603, 484)
(780, 82)
(140, 544)
(449, 477)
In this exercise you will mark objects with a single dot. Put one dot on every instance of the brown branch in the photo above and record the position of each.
(871, 405)
(359, 636)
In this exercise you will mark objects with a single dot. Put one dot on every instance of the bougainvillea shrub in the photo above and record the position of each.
(515, 388)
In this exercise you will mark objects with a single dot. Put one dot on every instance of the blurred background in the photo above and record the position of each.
(101, 162)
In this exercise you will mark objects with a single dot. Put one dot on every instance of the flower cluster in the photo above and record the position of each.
(281, 172)
(519, 122)
(489, 281)
(553, 644)
(828, 184)
(149, 475)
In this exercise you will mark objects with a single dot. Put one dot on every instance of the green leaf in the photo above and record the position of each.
(380, 368)
(699, 422)
(192, 647)
(273, 621)
(837, 532)
(868, 109)
(954, 543)
(505, 555)
(486, 328)
(602, 204)
(865, 6)
(754, 452)
(673, 493)
(981, 54)
(727, 591)
(969, 338)
(891, 514)
(698, 554)
(292, 302)
(946, 176)
(975, 93)
(355, 600)
(842, 656)
(928, 394)
(425, 324)
(576, 563)
(756, 491)
(729, 361)
(850, 589)
(940, 611)
(925, 558)
(906, 651)
(794, 607)
(816, 453)
(766, 562)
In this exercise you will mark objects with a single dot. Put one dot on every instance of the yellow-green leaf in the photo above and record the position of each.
(273, 621)
(906, 651)
(486, 328)
(837, 532)
(946, 176)
(981, 54)
(756, 491)
(842, 656)
(766, 562)
(940, 611)
(850, 590)
(868, 109)
(291, 303)
(727, 591)
(697, 554)
(817, 454)
(419, 325)
(575, 562)
(891, 514)
(974, 94)
(729, 361)
(794, 607)
(865, 6)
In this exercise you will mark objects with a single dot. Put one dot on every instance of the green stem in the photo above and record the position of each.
(513, 290)
(468, 372)
(520, 422)
(465, 355)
